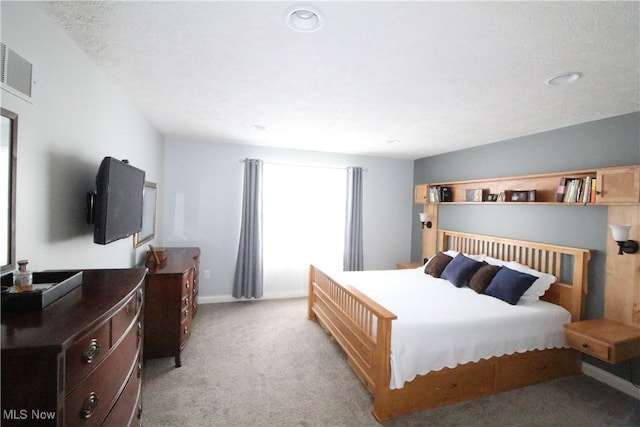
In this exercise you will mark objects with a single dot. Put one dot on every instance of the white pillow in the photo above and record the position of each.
(494, 261)
(452, 254)
(539, 287)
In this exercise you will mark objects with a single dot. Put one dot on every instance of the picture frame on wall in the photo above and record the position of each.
(149, 201)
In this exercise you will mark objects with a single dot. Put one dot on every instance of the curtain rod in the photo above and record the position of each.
(305, 165)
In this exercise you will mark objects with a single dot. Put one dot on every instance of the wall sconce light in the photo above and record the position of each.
(620, 234)
(425, 220)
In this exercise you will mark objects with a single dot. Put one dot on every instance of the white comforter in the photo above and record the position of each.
(440, 325)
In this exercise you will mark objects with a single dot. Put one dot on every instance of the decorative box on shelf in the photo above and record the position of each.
(48, 286)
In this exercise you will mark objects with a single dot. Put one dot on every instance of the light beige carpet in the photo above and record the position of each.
(262, 363)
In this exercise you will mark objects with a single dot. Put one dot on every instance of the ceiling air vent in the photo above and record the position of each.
(16, 73)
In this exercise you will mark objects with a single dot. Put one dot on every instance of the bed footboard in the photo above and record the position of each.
(361, 327)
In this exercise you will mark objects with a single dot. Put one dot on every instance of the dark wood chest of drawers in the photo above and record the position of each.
(77, 362)
(171, 303)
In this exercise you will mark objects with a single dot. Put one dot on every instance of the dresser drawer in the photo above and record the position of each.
(535, 366)
(588, 345)
(185, 314)
(89, 402)
(447, 386)
(127, 411)
(123, 319)
(84, 355)
(187, 283)
(185, 330)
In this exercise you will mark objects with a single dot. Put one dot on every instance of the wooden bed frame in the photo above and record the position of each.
(363, 329)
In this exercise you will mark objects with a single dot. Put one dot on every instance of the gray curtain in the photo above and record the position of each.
(353, 258)
(247, 282)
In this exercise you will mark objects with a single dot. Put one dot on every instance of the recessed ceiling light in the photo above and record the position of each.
(305, 19)
(257, 127)
(393, 141)
(564, 79)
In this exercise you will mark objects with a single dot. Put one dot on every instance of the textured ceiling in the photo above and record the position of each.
(435, 76)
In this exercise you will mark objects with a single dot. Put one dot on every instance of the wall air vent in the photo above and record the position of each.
(16, 75)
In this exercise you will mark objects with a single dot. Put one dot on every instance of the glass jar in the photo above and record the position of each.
(23, 278)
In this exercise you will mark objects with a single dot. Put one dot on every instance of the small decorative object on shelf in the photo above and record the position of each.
(519, 196)
(502, 196)
(474, 195)
(532, 196)
(492, 197)
(446, 194)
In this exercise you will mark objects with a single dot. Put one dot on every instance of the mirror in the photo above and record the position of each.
(8, 160)
(149, 199)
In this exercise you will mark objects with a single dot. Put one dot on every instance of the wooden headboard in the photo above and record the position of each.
(539, 256)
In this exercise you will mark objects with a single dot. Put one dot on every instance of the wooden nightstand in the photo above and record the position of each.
(604, 339)
(408, 265)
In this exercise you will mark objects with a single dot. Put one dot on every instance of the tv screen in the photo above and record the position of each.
(117, 202)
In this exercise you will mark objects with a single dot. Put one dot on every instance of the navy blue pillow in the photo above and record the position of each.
(460, 270)
(509, 285)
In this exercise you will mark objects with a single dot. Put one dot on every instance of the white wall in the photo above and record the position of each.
(77, 117)
(203, 202)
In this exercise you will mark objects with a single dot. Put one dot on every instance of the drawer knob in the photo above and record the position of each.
(91, 352)
(186, 329)
(139, 369)
(89, 405)
(187, 285)
(139, 329)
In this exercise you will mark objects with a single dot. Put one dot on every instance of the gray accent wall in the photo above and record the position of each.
(609, 142)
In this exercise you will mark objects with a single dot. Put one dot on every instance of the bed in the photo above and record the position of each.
(363, 328)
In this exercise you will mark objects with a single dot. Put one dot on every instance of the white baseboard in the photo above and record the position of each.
(611, 380)
(228, 298)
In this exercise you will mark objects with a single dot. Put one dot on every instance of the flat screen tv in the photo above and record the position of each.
(115, 208)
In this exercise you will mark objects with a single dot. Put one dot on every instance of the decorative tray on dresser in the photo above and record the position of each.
(77, 362)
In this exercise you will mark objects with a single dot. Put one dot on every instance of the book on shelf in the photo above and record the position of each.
(440, 194)
(576, 190)
(434, 194)
(586, 191)
(562, 189)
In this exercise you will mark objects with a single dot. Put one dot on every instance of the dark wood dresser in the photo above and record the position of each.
(171, 291)
(78, 361)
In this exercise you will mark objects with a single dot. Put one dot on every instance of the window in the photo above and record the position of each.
(304, 214)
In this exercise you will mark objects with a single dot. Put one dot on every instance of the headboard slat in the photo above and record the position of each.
(543, 257)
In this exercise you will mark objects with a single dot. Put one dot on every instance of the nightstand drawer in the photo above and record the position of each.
(605, 339)
(589, 346)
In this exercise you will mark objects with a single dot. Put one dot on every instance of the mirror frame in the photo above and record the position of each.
(5, 268)
(150, 199)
